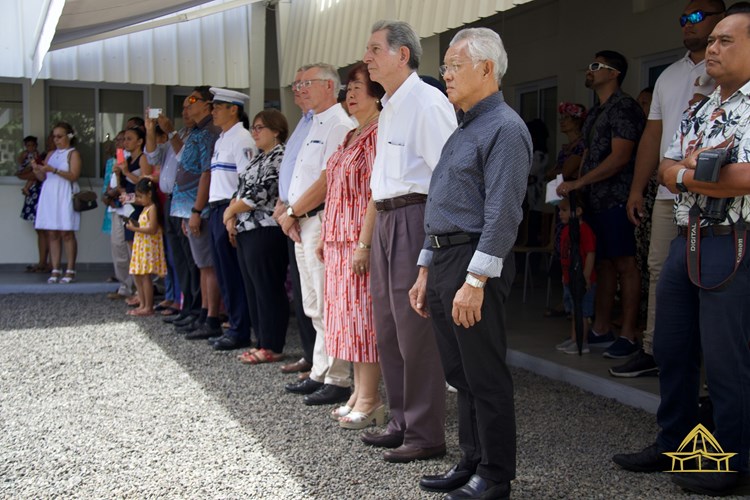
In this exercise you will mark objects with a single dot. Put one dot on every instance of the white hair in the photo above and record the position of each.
(328, 72)
(483, 44)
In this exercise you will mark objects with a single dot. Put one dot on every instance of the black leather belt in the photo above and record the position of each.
(400, 201)
(707, 231)
(449, 240)
(216, 204)
(312, 212)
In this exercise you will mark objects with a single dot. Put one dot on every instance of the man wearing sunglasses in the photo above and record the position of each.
(611, 133)
(683, 83)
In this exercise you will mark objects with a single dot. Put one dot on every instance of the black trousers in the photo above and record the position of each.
(474, 363)
(263, 262)
(188, 274)
(304, 323)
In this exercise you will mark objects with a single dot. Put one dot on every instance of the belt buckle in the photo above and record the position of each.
(435, 241)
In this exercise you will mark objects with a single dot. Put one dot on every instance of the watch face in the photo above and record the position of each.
(290, 212)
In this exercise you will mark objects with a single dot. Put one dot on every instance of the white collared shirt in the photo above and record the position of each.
(328, 130)
(673, 91)
(413, 127)
(233, 151)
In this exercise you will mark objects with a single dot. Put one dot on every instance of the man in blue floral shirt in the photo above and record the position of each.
(611, 133)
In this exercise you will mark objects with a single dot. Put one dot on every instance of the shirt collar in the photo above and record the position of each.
(400, 95)
(204, 122)
(489, 103)
(233, 129)
(716, 96)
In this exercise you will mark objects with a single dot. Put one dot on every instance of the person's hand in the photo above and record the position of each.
(228, 216)
(287, 223)
(25, 191)
(194, 224)
(418, 294)
(691, 160)
(278, 210)
(184, 227)
(295, 233)
(361, 261)
(129, 225)
(118, 168)
(467, 305)
(232, 232)
(319, 251)
(165, 124)
(566, 187)
(635, 209)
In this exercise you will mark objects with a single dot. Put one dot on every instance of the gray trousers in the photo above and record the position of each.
(409, 358)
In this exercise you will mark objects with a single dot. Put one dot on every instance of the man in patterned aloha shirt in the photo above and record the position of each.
(696, 316)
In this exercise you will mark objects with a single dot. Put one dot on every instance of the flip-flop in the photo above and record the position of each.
(260, 356)
(169, 311)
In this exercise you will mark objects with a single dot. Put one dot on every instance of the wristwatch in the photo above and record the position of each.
(363, 245)
(475, 282)
(680, 186)
(290, 212)
(195, 210)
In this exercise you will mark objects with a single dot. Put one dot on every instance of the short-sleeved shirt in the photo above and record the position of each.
(620, 117)
(715, 124)
(292, 147)
(327, 131)
(233, 152)
(195, 159)
(586, 245)
(673, 91)
(259, 189)
(412, 129)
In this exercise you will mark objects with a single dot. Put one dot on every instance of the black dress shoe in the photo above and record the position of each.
(307, 386)
(384, 440)
(186, 320)
(176, 317)
(478, 487)
(714, 483)
(443, 483)
(651, 459)
(229, 343)
(406, 453)
(190, 327)
(204, 332)
(329, 394)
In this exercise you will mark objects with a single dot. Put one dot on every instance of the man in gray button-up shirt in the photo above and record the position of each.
(471, 219)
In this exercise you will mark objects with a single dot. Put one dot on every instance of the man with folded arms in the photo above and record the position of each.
(415, 123)
(471, 219)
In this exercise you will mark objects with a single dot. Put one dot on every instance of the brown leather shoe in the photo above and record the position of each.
(303, 375)
(297, 366)
(406, 453)
(382, 440)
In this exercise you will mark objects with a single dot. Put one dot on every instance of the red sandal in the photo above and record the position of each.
(260, 356)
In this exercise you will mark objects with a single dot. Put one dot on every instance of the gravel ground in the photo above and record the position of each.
(94, 405)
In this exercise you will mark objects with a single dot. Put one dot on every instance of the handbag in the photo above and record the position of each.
(83, 200)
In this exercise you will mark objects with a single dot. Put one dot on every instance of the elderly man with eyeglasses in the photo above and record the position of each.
(329, 380)
(471, 219)
(611, 133)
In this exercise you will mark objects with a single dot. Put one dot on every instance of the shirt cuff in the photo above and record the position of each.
(425, 258)
(483, 264)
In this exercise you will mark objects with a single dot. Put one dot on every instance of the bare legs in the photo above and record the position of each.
(43, 245)
(145, 288)
(366, 396)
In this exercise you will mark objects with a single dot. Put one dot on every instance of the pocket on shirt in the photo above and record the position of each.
(395, 156)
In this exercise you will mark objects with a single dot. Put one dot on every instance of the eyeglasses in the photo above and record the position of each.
(596, 66)
(192, 99)
(696, 17)
(303, 84)
(451, 68)
(257, 128)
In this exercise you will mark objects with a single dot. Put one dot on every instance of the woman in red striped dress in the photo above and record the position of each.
(347, 232)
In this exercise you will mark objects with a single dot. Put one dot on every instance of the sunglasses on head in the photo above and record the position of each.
(696, 17)
(596, 66)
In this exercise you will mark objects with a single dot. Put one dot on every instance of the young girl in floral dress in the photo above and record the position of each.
(148, 246)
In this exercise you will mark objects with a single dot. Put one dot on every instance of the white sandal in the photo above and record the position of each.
(70, 276)
(54, 276)
(359, 420)
(341, 411)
